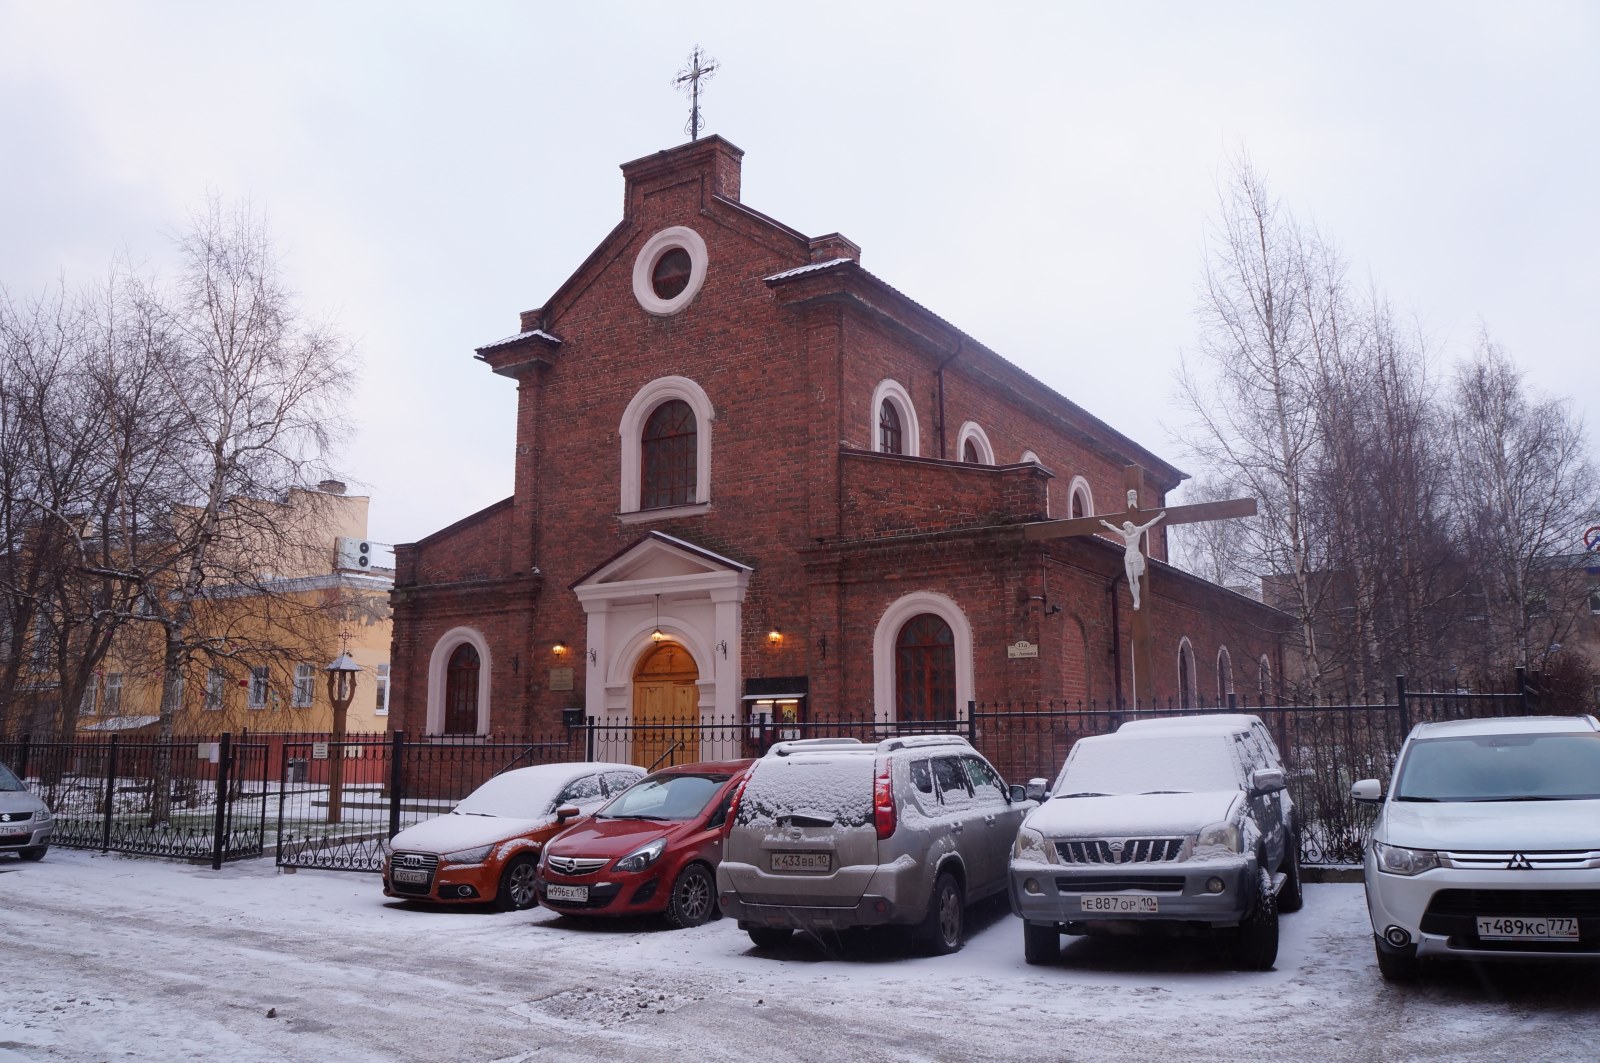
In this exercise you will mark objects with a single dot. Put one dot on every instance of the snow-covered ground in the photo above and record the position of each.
(110, 958)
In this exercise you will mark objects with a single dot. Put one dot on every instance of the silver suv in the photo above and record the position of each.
(1174, 826)
(835, 833)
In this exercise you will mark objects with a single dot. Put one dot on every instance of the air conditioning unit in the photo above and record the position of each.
(360, 555)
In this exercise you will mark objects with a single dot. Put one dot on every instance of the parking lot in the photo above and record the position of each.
(116, 958)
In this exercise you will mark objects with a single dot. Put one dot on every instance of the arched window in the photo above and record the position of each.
(1082, 498)
(925, 670)
(891, 404)
(668, 453)
(891, 437)
(1224, 675)
(666, 447)
(461, 691)
(974, 441)
(1185, 675)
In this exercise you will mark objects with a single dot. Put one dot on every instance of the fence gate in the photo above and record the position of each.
(195, 798)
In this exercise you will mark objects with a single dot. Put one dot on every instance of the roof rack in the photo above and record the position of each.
(805, 745)
(888, 745)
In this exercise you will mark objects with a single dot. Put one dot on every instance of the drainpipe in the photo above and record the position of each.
(940, 372)
(1116, 641)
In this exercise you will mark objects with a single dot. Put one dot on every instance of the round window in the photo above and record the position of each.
(671, 275)
(669, 270)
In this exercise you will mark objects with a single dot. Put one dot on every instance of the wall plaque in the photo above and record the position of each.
(1022, 648)
(561, 679)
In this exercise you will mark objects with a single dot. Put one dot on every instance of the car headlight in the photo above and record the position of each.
(469, 856)
(1220, 836)
(1397, 860)
(643, 857)
(1031, 845)
(44, 816)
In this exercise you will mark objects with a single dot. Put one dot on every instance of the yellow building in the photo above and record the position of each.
(268, 644)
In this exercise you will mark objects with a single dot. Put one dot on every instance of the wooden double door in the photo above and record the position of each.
(666, 708)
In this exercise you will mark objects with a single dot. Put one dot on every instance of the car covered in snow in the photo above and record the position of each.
(1487, 845)
(832, 834)
(25, 821)
(1180, 828)
(486, 849)
(653, 850)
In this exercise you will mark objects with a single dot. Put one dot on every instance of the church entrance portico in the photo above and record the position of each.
(663, 644)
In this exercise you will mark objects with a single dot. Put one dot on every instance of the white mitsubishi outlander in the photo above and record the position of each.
(1487, 846)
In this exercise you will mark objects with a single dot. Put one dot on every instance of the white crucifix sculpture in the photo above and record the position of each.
(1134, 535)
(1132, 556)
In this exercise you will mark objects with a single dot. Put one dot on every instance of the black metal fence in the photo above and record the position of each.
(385, 783)
(338, 803)
(198, 798)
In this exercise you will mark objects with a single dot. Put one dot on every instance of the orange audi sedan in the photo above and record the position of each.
(486, 850)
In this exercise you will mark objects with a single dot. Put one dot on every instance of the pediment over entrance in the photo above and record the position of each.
(658, 556)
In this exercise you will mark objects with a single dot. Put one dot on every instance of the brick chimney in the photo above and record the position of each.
(711, 160)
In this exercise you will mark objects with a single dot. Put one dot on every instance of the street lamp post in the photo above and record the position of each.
(341, 691)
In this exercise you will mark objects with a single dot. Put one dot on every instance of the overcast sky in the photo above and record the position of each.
(1041, 175)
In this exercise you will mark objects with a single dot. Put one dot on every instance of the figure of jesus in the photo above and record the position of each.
(1132, 559)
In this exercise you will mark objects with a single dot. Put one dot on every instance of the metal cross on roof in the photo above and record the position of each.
(701, 67)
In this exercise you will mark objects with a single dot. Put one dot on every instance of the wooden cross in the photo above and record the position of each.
(1135, 523)
(701, 67)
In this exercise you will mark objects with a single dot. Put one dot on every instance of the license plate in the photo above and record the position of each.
(1527, 928)
(566, 893)
(1137, 903)
(800, 862)
(402, 875)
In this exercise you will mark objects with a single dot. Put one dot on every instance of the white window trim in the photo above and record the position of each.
(380, 684)
(112, 705)
(1080, 486)
(1027, 456)
(251, 701)
(1186, 651)
(973, 431)
(305, 686)
(645, 263)
(1224, 675)
(1264, 678)
(439, 667)
(216, 687)
(910, 436)
(631, 431)
(883, 649)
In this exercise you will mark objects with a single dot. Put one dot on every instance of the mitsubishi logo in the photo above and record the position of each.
(1518, 862)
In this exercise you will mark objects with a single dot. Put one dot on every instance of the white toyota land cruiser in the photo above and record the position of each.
(1179, 826)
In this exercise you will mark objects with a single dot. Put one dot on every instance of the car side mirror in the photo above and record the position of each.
(1265, 781)
(1017, 793)
(1367, 791)
(1036, 790)
(567, 812)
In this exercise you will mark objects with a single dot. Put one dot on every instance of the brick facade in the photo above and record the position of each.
(807, 532)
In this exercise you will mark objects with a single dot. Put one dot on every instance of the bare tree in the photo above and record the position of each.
(1253, 415)
(1523, 491)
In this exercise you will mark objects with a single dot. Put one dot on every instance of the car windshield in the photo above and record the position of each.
(1151, 762)
(524, 794)
(668, 797)
(1505, 767)
(9, 781)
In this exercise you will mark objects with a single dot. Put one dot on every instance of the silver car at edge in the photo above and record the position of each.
(25, 821)
(829, 834)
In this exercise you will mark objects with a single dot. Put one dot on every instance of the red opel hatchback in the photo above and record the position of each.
(654, 848)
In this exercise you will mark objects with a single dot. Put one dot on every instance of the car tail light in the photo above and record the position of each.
(883, 816)
(733, 805)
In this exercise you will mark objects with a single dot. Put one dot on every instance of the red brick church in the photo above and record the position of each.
(753, 477)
